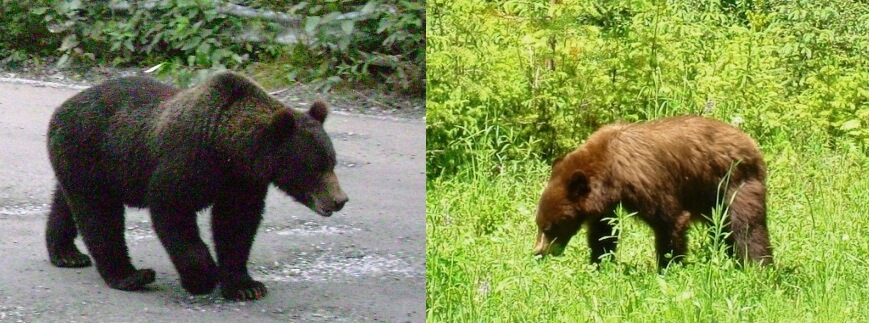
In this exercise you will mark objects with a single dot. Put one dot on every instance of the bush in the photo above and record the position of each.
(191, 34)
(380, 42)
(340, 41)
(22, 34)
(552, 72)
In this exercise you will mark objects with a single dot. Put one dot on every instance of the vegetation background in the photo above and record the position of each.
(513, 84)
(333, 42)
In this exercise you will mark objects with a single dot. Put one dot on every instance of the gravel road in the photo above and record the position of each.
(365, 263)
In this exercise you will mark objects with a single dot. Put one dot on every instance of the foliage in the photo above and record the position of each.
(552, 72)
(360, 39)
(27, 32)
(187, 33)
(340, 40)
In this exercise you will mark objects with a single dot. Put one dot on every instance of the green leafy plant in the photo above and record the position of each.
(192, 34)
(23, 34)
(360, 42)
(552, 72)
(337, 41)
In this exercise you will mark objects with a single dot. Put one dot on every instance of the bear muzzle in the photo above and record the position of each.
(546, 246)
(327, 206)
(331, 199)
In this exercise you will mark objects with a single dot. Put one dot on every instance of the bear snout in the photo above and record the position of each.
(544, 246)
(331, 198)
(327, 206)
(339, 203)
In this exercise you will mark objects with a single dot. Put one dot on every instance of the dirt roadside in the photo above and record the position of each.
(365, 263)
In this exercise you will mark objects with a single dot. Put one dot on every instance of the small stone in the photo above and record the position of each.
(355, 254)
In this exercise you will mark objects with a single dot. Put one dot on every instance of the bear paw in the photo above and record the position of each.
(70, 260)
(245, 291)
(199, 286)
(136, 281)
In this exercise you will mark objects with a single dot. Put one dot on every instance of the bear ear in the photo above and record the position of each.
(578, 185)
(556, 161)
(319, 111)
(281, 126)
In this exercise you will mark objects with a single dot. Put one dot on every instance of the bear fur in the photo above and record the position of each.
(669, 172)
(137, 142)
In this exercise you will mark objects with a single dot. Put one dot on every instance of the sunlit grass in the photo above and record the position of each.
(480, 230)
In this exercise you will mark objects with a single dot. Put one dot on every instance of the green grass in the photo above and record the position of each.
(480, 230)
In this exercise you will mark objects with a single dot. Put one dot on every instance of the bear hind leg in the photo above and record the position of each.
(100, 220)
(671, 242)
(60, 233)
(747, 213)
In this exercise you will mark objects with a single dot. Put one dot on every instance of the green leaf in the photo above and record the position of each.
(72, 5)
(347, 26)
(368, 8)
(850, 125)
(63, 60)
(69, 42)
(311, 24)
(329, 18)
(299, 6)
(383, 25)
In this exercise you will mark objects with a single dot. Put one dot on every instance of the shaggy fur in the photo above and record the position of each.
(669, 171)
(137, 142)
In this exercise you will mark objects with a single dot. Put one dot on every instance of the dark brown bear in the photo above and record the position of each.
(668, 171)
(137, 142)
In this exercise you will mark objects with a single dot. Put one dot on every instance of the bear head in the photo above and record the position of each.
(303, 160)
(572, 196)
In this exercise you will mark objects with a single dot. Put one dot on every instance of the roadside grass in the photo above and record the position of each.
(480, 231)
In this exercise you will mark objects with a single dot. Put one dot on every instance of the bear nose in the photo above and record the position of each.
(339, 203)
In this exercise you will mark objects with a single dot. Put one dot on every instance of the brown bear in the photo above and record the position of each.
(137, 142)
(670, 171)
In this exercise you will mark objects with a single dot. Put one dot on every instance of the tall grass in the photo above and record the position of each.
(480, 232)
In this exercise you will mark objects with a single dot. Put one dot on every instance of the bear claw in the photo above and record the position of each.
(250, 290)
(71, 260)
(136, 281)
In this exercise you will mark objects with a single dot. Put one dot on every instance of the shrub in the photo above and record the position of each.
(549, 73)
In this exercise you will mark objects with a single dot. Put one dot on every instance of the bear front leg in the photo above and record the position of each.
(60, 235)
(179, 233)
(100, 220)
(235, 218)
(601, 239)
